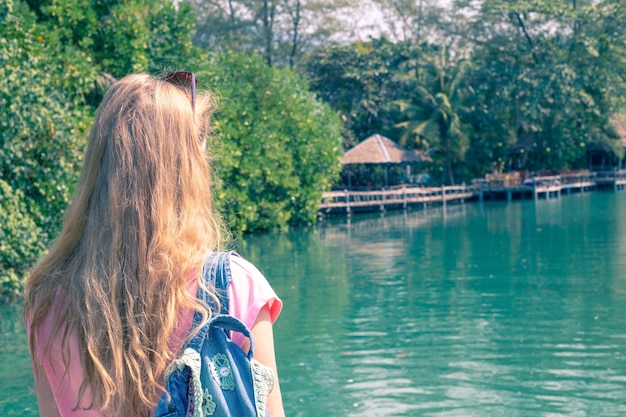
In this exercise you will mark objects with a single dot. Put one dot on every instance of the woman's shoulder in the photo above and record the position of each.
(241, 267)
(250, 291)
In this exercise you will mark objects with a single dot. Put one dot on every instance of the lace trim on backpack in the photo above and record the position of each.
(263, 381)
(190, 358)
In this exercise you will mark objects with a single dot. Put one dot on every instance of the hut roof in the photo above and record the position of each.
(378, 149)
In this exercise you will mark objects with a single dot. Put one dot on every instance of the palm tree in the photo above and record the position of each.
(436, 110)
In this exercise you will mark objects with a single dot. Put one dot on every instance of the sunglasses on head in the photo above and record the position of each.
(186, 80)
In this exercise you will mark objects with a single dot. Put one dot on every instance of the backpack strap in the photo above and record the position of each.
(216, 274)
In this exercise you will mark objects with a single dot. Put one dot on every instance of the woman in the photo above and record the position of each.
(111, 304)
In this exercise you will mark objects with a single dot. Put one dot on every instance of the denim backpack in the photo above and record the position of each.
(213, 376)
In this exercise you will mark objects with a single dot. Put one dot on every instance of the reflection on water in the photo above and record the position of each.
(493, 309)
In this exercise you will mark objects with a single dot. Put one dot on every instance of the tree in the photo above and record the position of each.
(433, 111)
(145, 36)
(361, 81)
(42, 132)
(122, 37)
(415, 21)
(548, 75)
(280, 30)
(279, 146)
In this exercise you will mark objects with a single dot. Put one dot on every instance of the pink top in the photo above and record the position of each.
(248, 293)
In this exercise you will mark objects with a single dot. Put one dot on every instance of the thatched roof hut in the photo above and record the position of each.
(378, 149)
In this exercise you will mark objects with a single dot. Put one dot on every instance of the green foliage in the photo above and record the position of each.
(432, 114)
(361, 81)
(21, 241)
(41, 137)
(547, 79)
(43, 114)
(123, 37)
(280, 147)
(144, 36)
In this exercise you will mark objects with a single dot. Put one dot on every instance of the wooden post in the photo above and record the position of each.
(443, 195)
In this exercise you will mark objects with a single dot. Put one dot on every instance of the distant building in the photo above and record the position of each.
(378, 161)
(601, 156)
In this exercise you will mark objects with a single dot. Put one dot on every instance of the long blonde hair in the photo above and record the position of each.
(140, 220)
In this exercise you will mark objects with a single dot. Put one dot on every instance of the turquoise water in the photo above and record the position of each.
(16, 381)
(493, 309)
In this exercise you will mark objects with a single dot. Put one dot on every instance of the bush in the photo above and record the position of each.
(280, 147)
(42, 133)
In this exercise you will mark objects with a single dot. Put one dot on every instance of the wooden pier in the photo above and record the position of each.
(493, 187)
(349, 201)
(513, 187)
(611, 179)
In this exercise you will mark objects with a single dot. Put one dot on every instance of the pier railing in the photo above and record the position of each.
(547, 186)
(349, 200)
(492, 186)
(615, 178)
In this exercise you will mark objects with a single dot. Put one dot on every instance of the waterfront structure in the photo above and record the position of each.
(494, 187)
(378, 150)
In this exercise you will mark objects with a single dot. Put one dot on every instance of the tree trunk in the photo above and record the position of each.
(295, 38)
(268, 23)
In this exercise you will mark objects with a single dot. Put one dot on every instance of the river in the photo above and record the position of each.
(478, 309)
